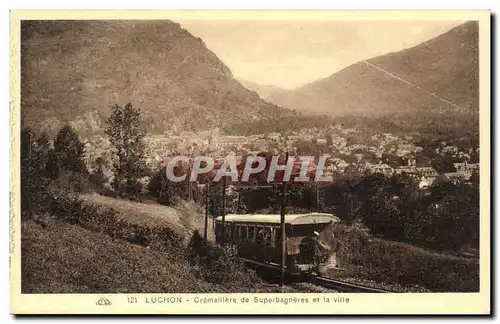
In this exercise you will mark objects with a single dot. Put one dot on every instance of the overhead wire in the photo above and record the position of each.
(411, 84)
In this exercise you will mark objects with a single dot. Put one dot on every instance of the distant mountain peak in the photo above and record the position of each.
(263, 90)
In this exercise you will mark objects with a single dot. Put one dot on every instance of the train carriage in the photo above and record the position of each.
(309, 239)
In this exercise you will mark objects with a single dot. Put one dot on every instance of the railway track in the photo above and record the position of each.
(344, 286)
(339, 285)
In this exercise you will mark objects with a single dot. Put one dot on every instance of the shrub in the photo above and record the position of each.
(67, 207)
(71, 182)
(97, 178)
(217, 264)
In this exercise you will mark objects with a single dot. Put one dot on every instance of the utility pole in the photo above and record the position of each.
(207, 188)
(215, 208)
(223, 236)
(317, 198)
(29, 147)
(283, 229)
(189, 179)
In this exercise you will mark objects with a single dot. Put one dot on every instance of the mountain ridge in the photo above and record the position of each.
(446, 66)
(75, 71)
(263, 90)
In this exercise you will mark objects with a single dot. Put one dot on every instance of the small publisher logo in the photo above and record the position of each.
(103, 301)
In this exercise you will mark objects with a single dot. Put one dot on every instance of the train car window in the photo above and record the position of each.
(218, 230)
(273, 237)
(277, 233)
(235, 233)
(261, 235)
(258, 235)
(251, 233)
(306, 249)
(228, 231)
(238, 233)
(244, 232)
(267, 236)
(270, 236)
(307, 230)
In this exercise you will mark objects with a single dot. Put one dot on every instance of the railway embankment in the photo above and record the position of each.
(403, 267)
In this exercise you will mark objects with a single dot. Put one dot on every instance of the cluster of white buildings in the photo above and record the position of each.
(360, 157)
(464, 171)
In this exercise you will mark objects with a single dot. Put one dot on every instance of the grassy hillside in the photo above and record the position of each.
(446, 66)
(183, 219)
(75, 70)
(62, 258)
(147, 215)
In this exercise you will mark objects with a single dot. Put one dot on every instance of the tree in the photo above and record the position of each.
(126, 135)
(456, 221)
(97, 177)
(329, 140)
(443, 163)
(34, 184)
(158, 183)
(67, 154)
(342, 198)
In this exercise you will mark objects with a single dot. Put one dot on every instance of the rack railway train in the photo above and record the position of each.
(311, 243)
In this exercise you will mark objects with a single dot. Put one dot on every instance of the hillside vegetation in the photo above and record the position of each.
(446, 66)
(183, 218)
(365, 257)
(148, 215)
(63, 258)
(58, 257)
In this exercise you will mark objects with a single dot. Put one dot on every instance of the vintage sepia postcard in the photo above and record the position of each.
(250, 162)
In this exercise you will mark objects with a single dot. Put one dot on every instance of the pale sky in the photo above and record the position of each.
(292, 53)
